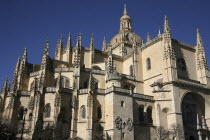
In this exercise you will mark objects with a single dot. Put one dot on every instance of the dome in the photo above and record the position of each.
(125, 17)
(127, 37)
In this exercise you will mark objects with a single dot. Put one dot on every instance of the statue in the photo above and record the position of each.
(118, 123)
(130, 124)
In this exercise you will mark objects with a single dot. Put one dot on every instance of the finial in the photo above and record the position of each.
(148, 36)
(125, 10)
(92, 45)
(199, 38)
(104, 44)
(24, 54)
(46, 49)
(79, 40)
(166, 27)
(69, 44)
(159, 33)
(4, 88)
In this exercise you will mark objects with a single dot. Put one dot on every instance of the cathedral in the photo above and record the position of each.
(125, 91)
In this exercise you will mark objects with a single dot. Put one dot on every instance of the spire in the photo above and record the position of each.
(46, 49)
(104, 45)
(14, 81)
(159, 33)
(92, 45)
(76, 62)
(168, 48)
(167, 28)
(199, 39)
(59, 49)
(148, 37)
(201, 56)
(23, 61)
(17, 67)
(125, 22)
(69, 44)
(61, 42)
(45, 55)
(125, 10)
(5, 86)
(79, 41)
(24, 57)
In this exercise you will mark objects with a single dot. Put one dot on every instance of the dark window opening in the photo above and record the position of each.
(148, 64)
(141, 114)
(99, 113)
(122, 103)
(149, 115)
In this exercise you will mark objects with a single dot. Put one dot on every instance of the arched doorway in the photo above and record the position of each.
(193, 108)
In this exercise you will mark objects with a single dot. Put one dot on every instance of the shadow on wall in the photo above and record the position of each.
(182, 68)
(144, 133)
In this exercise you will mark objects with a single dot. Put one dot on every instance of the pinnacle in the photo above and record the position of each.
(148, 36)
(92, 41)
(125, 10)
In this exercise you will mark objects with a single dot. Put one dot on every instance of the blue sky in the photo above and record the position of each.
(28, 23)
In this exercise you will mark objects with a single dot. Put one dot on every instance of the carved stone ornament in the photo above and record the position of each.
(1, 105)
(10, 105)
(58, 100)
(90, 101)
(31, 103)
(75, 102)
(130, 124)
(75, 84)
(118, 123)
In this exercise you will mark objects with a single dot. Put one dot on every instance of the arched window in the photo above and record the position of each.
(124, 24)
(47, 110)
(149, 115)
(99, 113)
(83, 112)
(148, 64)
(141, 114)
(20, 113)
(67, 83)
(131, 70)
(85, 84)
(62, 82)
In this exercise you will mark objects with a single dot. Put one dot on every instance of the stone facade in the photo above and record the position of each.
(123, 92)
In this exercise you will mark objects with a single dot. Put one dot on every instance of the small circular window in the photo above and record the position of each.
(181, 63)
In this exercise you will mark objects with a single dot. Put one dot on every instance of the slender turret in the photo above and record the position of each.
(14, 81)
(104, 47)
(59, 49)
(45, 55)
(148, 37)
(92, 43)
(76, 62)
(170, 70)
(125, 22)
(202, 64)
(69, 43)
(23, 67)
